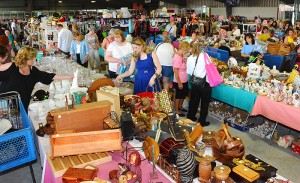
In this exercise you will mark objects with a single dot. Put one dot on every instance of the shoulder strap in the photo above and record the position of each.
(158, 45)
(195, 64)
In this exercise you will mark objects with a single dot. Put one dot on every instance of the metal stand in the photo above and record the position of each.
(273, 132)
(31, 172)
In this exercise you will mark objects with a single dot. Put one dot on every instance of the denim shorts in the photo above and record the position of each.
(167, 71)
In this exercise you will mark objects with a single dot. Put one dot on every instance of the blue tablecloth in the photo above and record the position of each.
(236, 97)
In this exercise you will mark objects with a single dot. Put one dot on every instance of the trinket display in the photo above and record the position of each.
(296, 146)
(264, 130)
(285, 141)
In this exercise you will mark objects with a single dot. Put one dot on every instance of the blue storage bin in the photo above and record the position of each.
(158, 39)
(271, 60)
(213, 54)
(224, 55)
(17, 148)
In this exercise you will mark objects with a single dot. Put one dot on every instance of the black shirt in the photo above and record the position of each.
(13, 80)
(226, 49)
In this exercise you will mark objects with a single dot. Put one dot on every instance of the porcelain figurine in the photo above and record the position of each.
(296, 99)
(246, 88)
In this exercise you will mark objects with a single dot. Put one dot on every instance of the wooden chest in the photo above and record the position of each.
(85, 130)
(84, 118)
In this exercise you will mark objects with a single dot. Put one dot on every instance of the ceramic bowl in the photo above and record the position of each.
(222, 172)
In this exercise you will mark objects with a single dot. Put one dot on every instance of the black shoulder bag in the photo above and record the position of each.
(197, 81)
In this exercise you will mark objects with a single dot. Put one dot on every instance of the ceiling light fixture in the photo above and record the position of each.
(93, 1)
(60, 1)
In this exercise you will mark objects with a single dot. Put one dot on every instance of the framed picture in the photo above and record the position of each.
(115, 99)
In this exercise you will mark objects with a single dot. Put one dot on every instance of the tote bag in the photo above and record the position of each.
(212, 73)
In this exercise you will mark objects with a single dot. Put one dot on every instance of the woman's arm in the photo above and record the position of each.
(176, 75)
(108, 57)
(103, 45)
(129, 72)
(158, 68)
(62, 77)
(175, 30)
(12, 53)
(285, 40)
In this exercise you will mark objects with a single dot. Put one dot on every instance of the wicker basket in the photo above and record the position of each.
(273, 48)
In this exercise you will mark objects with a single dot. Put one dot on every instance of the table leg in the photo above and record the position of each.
(273, 132)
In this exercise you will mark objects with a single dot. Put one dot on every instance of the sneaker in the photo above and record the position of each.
(183, 110)
(203, 124)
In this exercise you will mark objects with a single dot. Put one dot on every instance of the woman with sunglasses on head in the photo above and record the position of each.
(147, 65)
(21, 76)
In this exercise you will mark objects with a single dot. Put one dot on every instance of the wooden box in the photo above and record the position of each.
(85, 142)
(84, 118)
(87, 121)
(74, 175)
(245, 172)
(114, 99)
(59, 165)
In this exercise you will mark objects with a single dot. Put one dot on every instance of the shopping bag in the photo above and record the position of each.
(164, 101)
(212, 73)
(146, 94)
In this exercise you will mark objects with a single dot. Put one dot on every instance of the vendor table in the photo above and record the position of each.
(277, 111)
(43, 144)
(236, 97)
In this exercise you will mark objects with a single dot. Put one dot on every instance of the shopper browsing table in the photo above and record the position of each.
(21, 76)
(117, 50)
(147, 65)
(80, 50)
(250, 47)
(93, 42)
(180, 81)
(165, 52)
(65, 38)
(198, 93)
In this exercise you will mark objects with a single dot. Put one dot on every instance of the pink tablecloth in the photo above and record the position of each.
(105, 168)
(277, 111)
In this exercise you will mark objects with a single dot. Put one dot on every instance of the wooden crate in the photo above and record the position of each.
(60, 164)
(85, 142)
(114, 99)
(84, 118)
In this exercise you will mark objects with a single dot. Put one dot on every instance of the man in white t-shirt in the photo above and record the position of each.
(65, 38)
(165, 52)
(14, 29)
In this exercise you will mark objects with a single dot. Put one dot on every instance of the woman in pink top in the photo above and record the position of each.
(180, 76)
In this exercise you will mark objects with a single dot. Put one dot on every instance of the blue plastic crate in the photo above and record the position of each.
(224, 55)
(158, 39)
(239, 127)
(17, 148)
(271, 60)
(213, 54)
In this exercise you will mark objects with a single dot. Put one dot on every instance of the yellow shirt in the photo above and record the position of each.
(264, 37)
(290, 39)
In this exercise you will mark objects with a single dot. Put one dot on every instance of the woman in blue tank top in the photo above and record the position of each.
(147, 65)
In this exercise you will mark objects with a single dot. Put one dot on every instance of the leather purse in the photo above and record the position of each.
(197, 81)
